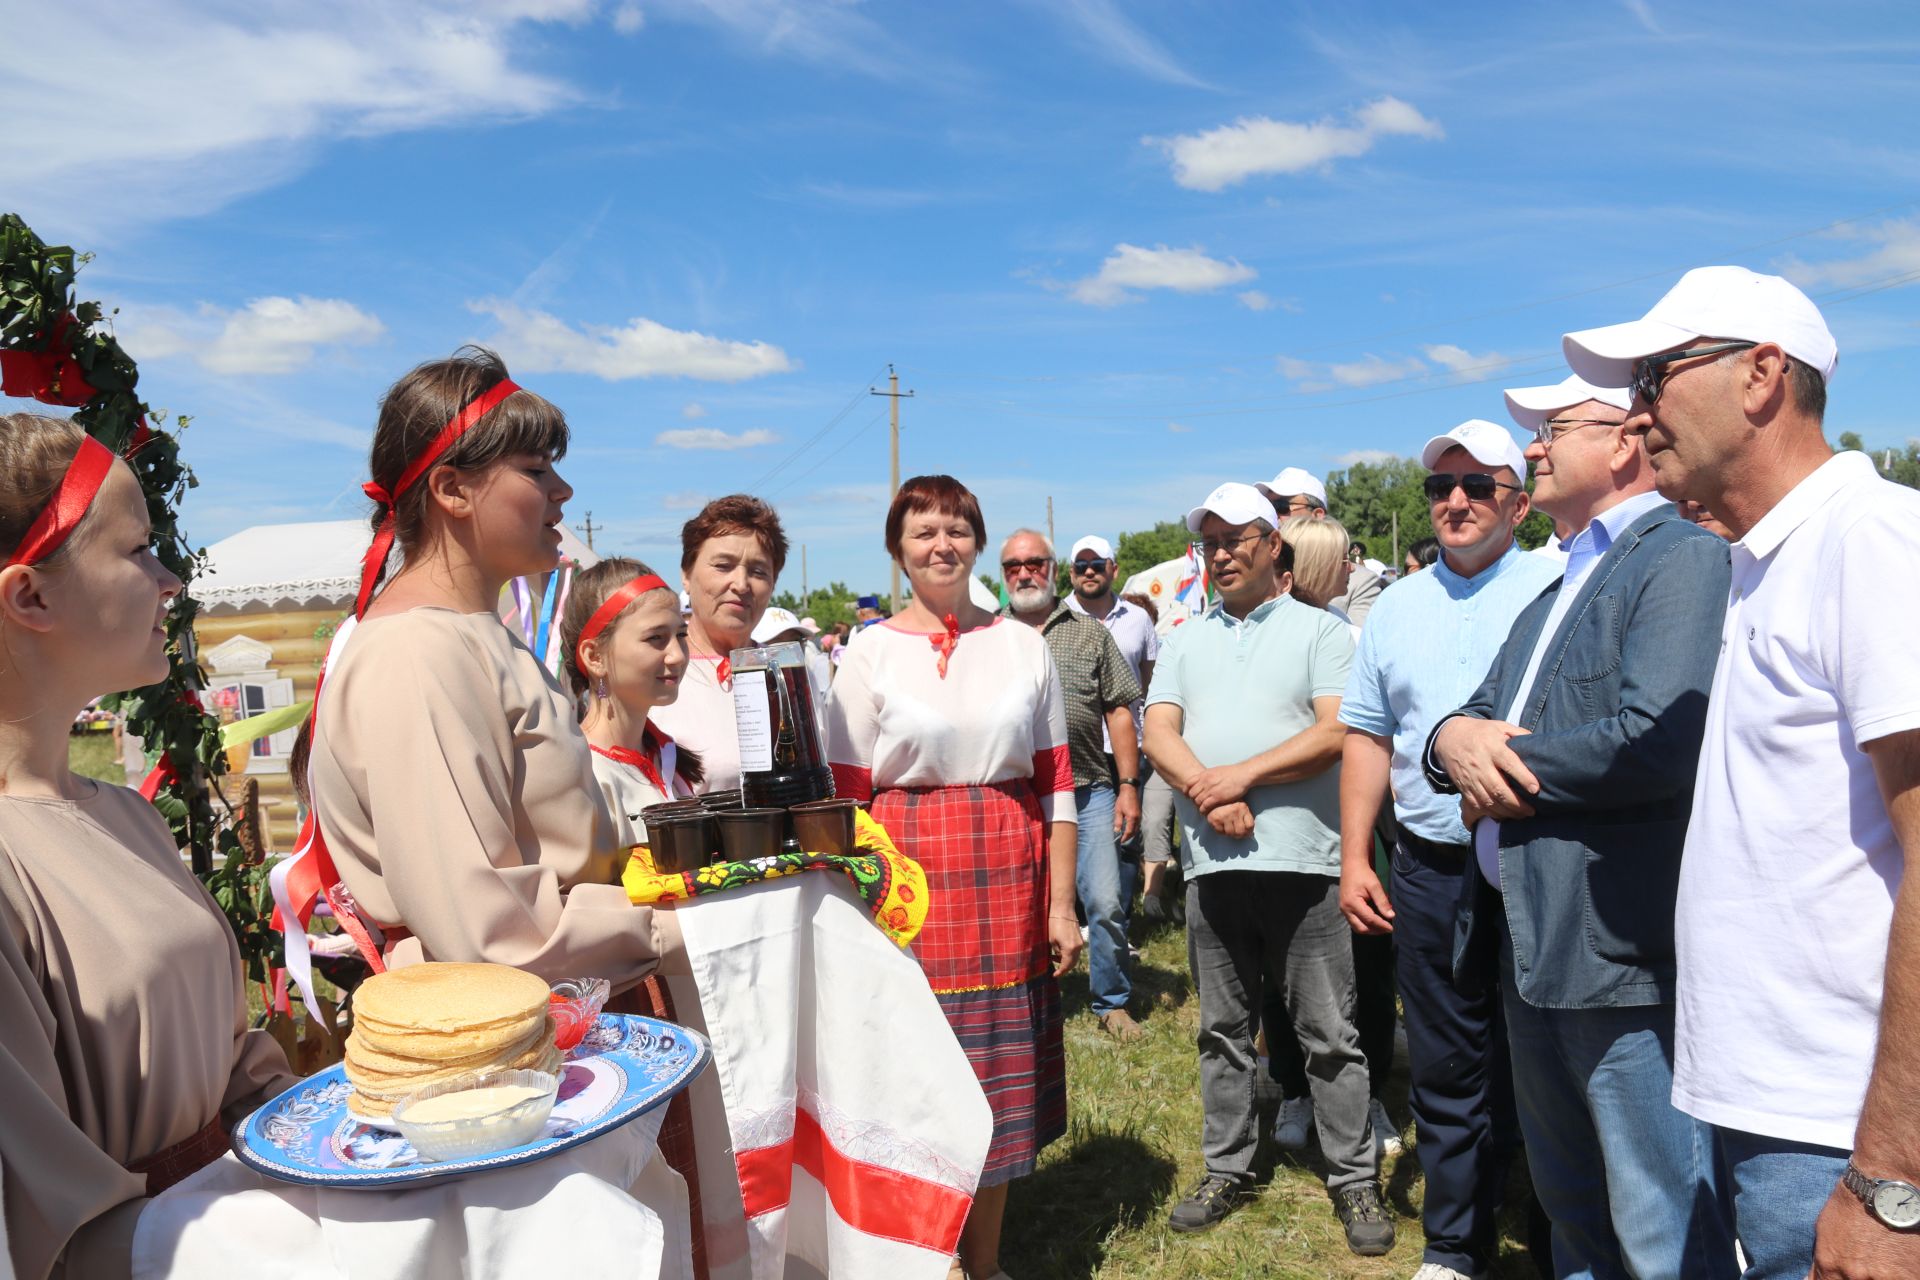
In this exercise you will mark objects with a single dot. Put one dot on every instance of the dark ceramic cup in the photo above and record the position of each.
(824, 826)
(751, 833)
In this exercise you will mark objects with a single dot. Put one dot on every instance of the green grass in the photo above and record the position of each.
(91, 755)
(1098, 1203)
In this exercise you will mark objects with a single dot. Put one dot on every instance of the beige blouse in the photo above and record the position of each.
(458, 799)
(123, 1023)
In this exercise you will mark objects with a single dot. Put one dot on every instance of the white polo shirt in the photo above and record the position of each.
(1791, 865)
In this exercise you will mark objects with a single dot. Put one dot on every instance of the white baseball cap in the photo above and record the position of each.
(1709, 302)
(1235, 503)
(1490, 445)
(1531, 406)
(775, 622)
(1293, 481)
(1092, 542)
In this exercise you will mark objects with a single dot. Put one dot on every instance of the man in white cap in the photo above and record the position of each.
(779, 626)
(1296, 492)
(1798, 1024)
(1242, 720)
(1424, 651)
(1579, 749)
(1091, 569)
(1566, 405)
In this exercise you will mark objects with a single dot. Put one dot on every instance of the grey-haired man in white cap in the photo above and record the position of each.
(1242, 720)
(1797, 1033)
(1423, 652)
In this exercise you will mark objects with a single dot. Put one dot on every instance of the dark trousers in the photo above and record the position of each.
(1374, 1014)
(1461, 1091)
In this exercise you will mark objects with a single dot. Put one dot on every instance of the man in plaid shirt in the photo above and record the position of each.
(1098, 687)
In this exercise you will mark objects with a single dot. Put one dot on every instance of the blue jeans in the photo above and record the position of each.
(1628, 1179)
(1779, 1188)
(1096, 877)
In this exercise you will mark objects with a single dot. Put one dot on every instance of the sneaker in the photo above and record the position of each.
(1293, 1127)
(1369, 1229)
(1386, 1137)
(1211, 1199)
(1119, 1024)
(1439, 1271)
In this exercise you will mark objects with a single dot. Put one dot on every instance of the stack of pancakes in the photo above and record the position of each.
(431, 1022)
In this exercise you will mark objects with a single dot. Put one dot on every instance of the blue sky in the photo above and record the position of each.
(1121, 251)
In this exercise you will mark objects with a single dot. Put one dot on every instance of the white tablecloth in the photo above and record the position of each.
(607, 1208)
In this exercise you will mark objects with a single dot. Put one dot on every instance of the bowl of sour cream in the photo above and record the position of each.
(478, 1114)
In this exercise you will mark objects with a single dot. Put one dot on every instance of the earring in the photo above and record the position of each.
(601, 691)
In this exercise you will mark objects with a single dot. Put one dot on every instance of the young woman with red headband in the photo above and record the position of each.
(123, 1012)
(452, 790)
(625, 642)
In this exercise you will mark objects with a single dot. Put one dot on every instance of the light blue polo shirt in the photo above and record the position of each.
(1427, 645)
(1245, 687)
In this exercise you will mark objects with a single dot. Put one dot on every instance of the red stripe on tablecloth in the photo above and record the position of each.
(873, 1200)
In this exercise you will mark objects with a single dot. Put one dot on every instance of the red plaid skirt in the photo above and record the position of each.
(984, 850)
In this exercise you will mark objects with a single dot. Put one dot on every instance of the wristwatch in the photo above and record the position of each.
(1892, 1203)
(1129, 782)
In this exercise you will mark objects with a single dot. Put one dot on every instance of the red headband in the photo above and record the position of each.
(603, 616)
(68, 505)
(376, 557)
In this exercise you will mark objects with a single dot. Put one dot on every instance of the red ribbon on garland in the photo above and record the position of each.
(52, 376)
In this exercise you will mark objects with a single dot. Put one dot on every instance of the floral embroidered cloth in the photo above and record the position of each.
(891, 884)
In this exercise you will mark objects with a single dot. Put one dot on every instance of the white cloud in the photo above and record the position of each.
(1255, 145)
(714, 438)
(1371, 370)
(1463, 363)
(1643, 14)
(693, 411)
(836, 35)
(192, 106)
(540, 342)
(267, 336)
(1894, 252)
(1113, 35)
(1180, 428)
(628, 18)
(684, 500)
(1131, 268)
(1371, 457)
(1255, 300)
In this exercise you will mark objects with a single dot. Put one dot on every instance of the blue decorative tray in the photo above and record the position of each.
(624, 1067)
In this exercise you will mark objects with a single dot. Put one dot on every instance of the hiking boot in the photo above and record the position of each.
(1119, 1024)
(1386, 1134)
(1293, 1127)
(1369, 1229)
(1211, 1199)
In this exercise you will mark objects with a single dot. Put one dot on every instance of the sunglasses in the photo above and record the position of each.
(1650, 373)
(1090, 566)
(1553, 428)
(1477, 485)
(1039, 564)
(1208, 548)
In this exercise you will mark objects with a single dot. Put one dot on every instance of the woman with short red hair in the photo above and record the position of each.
(731, 555)
(950, 720)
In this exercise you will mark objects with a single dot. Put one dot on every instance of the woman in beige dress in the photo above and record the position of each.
(731, 555)
(450, 781)
(123, 1016)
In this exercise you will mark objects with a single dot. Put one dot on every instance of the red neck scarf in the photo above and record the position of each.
(376, 558)
(945, 642)
(611, 608)
(653, 743)
(68, 505)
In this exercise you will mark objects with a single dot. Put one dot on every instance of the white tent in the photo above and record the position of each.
(313, 564)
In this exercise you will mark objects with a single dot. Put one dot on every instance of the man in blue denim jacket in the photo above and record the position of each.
(1575, 761)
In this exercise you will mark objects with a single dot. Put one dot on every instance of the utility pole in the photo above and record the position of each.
(586, 529)
(1050, 542)
(1397, 562)
(805, 594)
(895, 395)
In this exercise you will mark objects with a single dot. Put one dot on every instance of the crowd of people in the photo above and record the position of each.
(1616, 828)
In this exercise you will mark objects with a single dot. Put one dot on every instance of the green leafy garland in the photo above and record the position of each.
(40, 318)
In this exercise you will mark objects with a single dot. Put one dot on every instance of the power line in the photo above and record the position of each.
(819, 435)
(861, 432)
